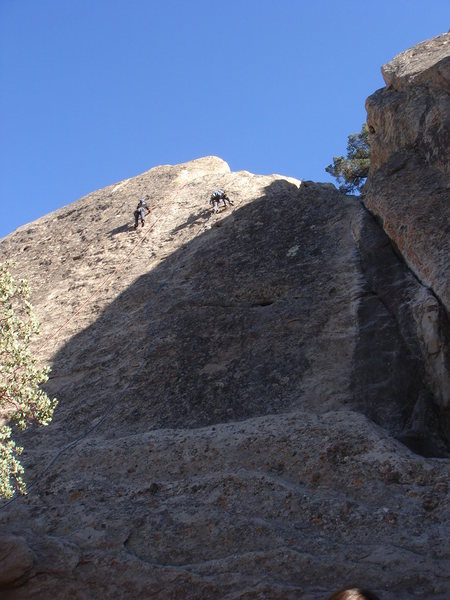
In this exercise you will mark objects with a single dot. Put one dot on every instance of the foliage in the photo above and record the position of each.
(21, 399)
(351, 171)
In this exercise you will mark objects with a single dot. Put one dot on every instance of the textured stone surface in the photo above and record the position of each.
(421, 63)
(16, 560)
(409, 185)
(275, 507)
(236, 384)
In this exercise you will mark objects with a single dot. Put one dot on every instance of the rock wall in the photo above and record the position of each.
(412, 113)
(408, 188)
(250, 403)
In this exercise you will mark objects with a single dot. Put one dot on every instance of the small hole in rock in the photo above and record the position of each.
(265, 302)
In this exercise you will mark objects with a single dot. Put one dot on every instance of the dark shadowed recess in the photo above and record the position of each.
(388, 362)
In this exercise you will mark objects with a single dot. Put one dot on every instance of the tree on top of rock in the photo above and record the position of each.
(22, 401)
(351, 171)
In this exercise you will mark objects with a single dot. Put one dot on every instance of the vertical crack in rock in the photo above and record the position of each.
(399, 357)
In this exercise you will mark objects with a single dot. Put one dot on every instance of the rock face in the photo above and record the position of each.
(409, 184)
(247, 406)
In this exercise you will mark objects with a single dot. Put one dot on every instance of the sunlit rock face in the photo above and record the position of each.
(256, 398)
(410, 159)
(409, 185)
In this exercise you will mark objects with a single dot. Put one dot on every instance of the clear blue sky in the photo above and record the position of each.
(95, 91)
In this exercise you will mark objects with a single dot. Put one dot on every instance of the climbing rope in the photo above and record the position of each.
(155, 338)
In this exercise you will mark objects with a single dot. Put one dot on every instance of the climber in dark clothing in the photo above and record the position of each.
(217, 197)
(141, 212)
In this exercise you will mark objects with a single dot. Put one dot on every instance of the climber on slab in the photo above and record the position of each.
(140, 213)
(217, 197)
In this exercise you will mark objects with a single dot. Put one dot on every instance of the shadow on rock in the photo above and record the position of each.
(193, 220)
(204, 337)
(231, 324)
(391, 376)
(122, 229)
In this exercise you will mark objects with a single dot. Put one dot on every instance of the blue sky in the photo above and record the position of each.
(96, 91)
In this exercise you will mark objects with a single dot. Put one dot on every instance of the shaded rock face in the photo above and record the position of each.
(292, 300)
(408, 187)
(230, 389)
(394, 307)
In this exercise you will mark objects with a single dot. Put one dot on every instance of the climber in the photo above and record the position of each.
(217, 197)
(141, 212)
